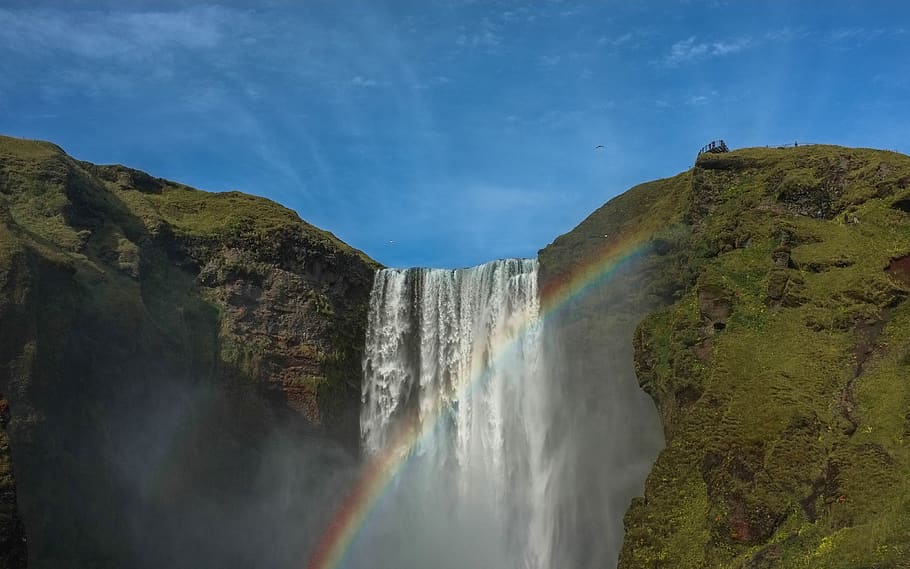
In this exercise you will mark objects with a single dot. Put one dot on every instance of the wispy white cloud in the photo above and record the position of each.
(121, 53)
(691, 49)
(426, 83)
(694, 100)
(847, 36)
(725, 47)
(487, 35)
(857, 36)
(360, 81)
(786, 34)
(685, 50)
(231, 73)
(700, 99)
(118, 36)
(628, 39)
(538, 11)
(103, 54)
(572, 12)
(615, 41)
(550, 60)
(854, 34)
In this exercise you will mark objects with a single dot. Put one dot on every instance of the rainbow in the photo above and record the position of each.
(385, 465)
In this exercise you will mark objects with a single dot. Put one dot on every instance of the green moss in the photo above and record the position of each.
(233, 217)
(28, 149)
(201, 213)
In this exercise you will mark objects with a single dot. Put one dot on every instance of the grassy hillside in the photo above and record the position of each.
(780, 361)
(130, 305)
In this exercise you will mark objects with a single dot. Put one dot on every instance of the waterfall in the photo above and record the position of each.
(459, 351)
(535, 437)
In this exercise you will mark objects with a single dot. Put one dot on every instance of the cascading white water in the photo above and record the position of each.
(459, 351)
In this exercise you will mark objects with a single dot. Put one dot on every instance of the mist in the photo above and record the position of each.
(604, 432)
(537, 437)
(203, 476)
(533, 465)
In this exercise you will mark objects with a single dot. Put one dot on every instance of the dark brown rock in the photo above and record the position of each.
(899, 268)
(715, 305)
(781, 257)
(13, 544)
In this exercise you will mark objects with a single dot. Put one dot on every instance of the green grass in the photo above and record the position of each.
(233, 217)
(28, 149)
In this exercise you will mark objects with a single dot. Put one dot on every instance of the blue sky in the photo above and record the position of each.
(440, 132)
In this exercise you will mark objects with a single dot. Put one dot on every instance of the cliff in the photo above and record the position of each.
(774, 339)
(165, 352)
(147, 329)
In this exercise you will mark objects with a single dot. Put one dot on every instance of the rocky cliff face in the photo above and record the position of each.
(153, 339)
(777, 357)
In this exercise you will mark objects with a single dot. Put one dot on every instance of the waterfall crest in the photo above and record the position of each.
(459, 351)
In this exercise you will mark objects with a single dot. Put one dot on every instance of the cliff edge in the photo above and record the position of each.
(130, 303)
(777, 353)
